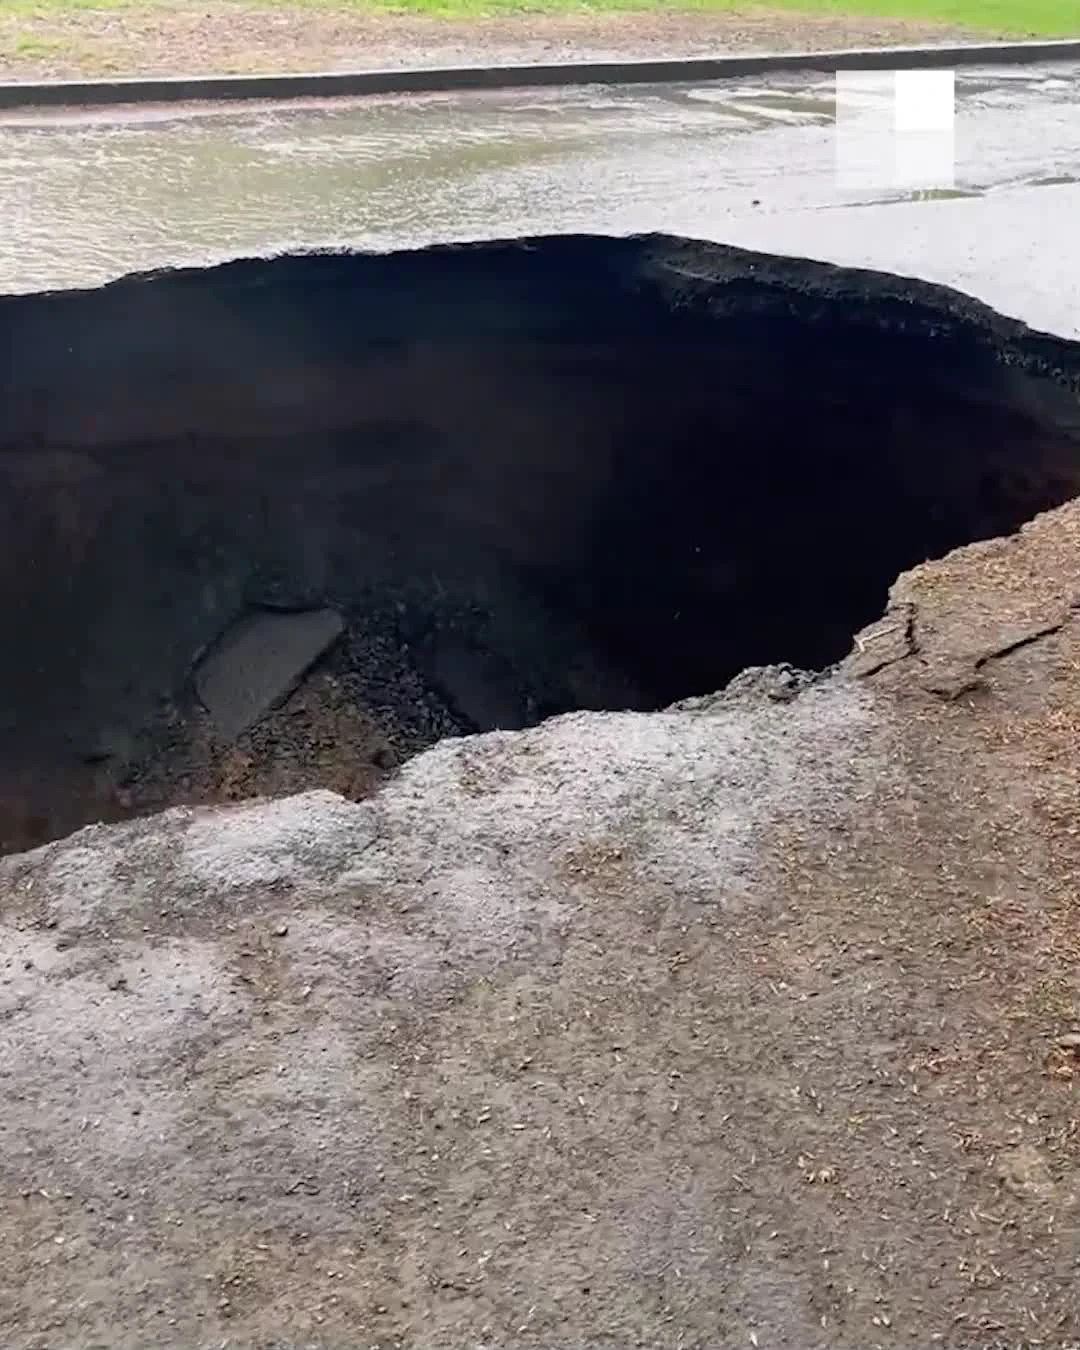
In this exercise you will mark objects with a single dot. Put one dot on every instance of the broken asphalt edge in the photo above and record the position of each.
(435, 80)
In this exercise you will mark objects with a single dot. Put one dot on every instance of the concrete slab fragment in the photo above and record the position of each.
(259, 661)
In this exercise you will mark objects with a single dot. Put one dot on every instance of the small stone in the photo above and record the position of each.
(281, 930)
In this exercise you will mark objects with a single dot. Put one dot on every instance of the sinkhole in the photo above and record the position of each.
(282, 523)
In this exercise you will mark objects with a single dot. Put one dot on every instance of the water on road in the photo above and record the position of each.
(85, 196)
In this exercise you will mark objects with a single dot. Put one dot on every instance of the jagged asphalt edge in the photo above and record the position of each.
(413, 80)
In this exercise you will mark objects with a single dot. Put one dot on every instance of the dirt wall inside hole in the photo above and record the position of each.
(531, 477)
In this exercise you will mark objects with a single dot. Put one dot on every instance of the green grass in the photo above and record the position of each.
(1033, 18)
(1029, 18)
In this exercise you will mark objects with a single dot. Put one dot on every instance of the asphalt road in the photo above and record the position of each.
(85, 197)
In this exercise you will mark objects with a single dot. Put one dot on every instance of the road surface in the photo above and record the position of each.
(88, 196)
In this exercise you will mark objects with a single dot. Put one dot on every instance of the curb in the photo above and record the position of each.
(356, 84)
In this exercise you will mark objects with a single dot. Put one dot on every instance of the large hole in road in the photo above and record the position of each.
(282, 523)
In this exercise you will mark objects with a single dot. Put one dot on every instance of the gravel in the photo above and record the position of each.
(221, 37)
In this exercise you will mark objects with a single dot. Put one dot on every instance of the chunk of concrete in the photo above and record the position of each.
(259, 661)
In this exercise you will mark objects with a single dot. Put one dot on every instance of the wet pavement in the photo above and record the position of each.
(86, 197)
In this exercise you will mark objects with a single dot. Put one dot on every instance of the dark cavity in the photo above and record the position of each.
(280, 524)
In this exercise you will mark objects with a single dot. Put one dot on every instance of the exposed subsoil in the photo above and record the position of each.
(754, 1021)
(221, 37)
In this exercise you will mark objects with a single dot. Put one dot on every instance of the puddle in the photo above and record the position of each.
(921, 195)
(816, 107)
(766, 107)
(942, 194)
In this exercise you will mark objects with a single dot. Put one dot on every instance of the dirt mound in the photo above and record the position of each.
(743, 1023)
